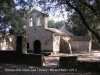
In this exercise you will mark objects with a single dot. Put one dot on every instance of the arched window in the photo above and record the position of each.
(30, 21)
(39, 20)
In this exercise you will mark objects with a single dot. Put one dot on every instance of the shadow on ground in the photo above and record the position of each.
(8, 68)
(20, 69)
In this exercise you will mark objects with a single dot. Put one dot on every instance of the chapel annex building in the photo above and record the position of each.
(40, 38)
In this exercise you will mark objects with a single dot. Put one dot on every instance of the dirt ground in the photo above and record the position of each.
(50, 67)
(20, 69)
(93, 56)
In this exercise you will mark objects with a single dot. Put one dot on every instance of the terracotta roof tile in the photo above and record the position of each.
(60, 32)
(80, 38)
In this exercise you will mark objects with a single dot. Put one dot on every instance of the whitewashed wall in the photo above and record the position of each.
(39, 33)
(56, 43)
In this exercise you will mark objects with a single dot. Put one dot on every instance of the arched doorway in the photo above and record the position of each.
(37, 46)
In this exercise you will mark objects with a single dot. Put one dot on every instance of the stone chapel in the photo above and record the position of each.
(40, 38)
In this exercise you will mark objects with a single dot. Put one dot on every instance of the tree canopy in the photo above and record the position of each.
(11, 18)
(88, 11)
(82, 8)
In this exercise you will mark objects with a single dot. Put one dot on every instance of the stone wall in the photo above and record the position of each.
(65, 45)
(45, 38)
(89, 65)
(28, 59)
(7, 42)
(69, 62)
(32, 59)
(39, 32)
(24, 44)
(56, 43)
(80, 46)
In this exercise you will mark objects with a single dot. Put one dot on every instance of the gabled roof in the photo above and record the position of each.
(80, 38)
(66, 31)
(32, 10)
(60, 32)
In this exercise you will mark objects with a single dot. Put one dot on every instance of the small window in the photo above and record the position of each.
(27, 45)
(30, 21)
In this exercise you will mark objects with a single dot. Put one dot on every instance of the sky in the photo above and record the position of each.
(57, 16)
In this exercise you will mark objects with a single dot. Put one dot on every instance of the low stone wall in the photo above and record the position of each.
(9, 42)
(80, 46)
(71, 62)
(68, 62)
(83, 65)
(28, 59)
(32, 59)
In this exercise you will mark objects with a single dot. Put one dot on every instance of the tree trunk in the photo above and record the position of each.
(84, 21)
(87, 26)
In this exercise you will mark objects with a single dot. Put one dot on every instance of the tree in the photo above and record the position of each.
(5, 6)
(51, 23)
(92, 6)
(92, 20)
(79, 6)
(12, 18)
(18, 21)
(57, 24)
